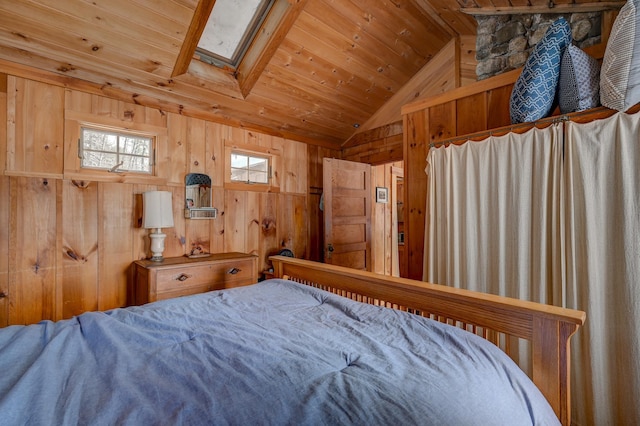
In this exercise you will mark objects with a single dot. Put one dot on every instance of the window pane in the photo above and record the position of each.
(258, 164)
(229, 23)
(241, 175)
(100, 141)
(258, 177)
(239, 161)
(102, 160)
(135, 164)
(135, 145)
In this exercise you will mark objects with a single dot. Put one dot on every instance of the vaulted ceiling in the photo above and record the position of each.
(317, 70)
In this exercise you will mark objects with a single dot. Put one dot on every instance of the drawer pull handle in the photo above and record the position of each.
(182, 277)
(233, 271)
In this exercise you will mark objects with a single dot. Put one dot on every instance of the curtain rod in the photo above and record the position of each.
(499, 130)
(483, 134)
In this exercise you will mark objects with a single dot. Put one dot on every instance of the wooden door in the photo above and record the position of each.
(347, 213)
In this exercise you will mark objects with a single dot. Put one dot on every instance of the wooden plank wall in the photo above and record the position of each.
(379, 140)
(377, 146)
(382, 217)
(66, 243)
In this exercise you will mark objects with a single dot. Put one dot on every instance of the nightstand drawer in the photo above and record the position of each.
(182, 276)
(197, 276)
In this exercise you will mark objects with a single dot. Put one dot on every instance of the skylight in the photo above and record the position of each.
(230, 29)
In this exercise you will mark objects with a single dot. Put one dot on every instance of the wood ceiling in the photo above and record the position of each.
(327, 64)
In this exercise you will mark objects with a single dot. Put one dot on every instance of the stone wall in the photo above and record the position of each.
(504, 41)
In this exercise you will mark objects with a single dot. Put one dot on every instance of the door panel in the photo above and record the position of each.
(346, 234)
(349, 206)
(347, 213)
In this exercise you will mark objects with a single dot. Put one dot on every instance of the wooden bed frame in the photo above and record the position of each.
(548, 328)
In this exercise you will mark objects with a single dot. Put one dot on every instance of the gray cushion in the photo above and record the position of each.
(533, 94)
(620, 74)
(579, 84)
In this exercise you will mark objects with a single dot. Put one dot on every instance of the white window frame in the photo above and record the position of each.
(271, 154)
(118, 133)
(248, 170)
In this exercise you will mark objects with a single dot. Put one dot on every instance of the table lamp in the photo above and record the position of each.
(157, 214)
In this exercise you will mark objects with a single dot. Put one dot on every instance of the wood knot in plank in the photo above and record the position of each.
(75, 256)
(72, 254)
(66, 68)
(268, 226)
(80, 184)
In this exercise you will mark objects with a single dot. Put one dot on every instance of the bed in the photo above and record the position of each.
(316, 345)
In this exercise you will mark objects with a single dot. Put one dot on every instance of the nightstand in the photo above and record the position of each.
(181, 276)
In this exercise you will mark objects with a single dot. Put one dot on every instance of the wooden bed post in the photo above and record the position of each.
(551, 354)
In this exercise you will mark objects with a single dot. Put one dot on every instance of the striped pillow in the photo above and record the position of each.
(620, 74)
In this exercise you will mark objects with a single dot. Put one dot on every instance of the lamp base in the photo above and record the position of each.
(157, 245)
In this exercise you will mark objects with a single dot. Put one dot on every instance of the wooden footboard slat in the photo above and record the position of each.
(497, 319)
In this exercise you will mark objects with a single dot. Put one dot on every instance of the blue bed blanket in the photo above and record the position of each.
(274, 353)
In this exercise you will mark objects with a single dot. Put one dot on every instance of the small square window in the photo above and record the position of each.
(249, 168)
(116, 151)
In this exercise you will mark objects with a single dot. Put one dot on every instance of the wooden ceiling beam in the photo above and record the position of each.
(548, 8)
(273, 31)
(198, 23)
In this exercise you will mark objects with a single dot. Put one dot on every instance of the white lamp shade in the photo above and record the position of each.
(158, 209)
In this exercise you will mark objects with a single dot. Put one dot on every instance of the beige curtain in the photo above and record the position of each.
(495, 217)
(517, 216)
(603, 267)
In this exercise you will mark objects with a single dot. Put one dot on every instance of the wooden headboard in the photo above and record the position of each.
(548, 328)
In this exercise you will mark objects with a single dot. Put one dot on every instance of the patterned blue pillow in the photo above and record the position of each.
(534, 92)
(579, 85)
